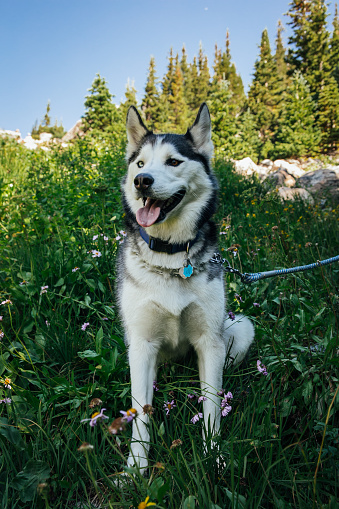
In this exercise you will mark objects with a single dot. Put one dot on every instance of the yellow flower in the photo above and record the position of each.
(145, 504)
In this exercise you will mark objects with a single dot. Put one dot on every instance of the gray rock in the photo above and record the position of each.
(74, 132)
(281, 178)
(287, 193)
(292, 169)
(324, 183)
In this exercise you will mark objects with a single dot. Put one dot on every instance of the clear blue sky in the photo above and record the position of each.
(52, 49)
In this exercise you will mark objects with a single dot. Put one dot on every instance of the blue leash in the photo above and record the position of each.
(251, 277)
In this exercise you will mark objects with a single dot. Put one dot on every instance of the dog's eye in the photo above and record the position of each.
(173, 162)
(140, 164)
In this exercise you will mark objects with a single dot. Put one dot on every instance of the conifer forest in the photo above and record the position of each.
(292, 105)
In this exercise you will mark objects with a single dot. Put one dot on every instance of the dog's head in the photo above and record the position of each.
(169, 188)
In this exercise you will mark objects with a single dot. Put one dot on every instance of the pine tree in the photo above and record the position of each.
(328, 114)
(177, 105)
(57, 131)
(280, 54)
(130, 98)
(150, 102)
(204, 76)
(334, 49)
(224, 127)
(309, 50)
(169, 76)
(47, 119)
(265, 94)
(299, 12)
(100, 111)
(297, 135)
(248, 143)
(225, 69)
(318, 47)
(185, 70)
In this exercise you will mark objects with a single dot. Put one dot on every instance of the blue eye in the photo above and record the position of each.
(140, 164)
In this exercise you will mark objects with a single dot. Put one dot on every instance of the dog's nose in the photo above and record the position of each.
(143, 181)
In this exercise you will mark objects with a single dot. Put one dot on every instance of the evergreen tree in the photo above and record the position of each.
(47, 118)
(130, 98)
(225, 69)
(334, 50)
(57, 131)
(193, 100)
(150, 103)
(318, 48)
(204, 77)
(169, 76)
(309, 49)
(178, 117)
(297, 135)
(280, 54)
(299, 12)
(265, 94)
(328, 114)
(185, 71)
(248, 143)
(224, 127)
(100, 112)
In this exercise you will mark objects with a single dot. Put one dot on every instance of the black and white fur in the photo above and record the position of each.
(163, 314)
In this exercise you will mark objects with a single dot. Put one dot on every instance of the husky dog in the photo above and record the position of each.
(170, 278)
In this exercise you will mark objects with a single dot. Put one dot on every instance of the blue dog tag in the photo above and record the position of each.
(188, 270)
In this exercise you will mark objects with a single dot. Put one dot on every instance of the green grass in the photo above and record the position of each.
(278, 446)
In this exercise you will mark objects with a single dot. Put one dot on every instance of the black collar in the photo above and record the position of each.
(162, 246)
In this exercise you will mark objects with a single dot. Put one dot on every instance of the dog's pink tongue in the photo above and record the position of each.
(146, 216)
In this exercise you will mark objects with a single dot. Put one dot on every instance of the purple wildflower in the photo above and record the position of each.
(1, 334)
(43, 289)
(231, 315)
(226, 410)
(256, 304)
(1, 317)
(84, 326)
(192, 396)
(238, 297)
(96, 417)
(169, 406)
(75, 269)
(224, 405)
(129, 415)
(196, 417)
(7, 401)
(155, 385)
(261, 368)
(4, 302)
(202, 398)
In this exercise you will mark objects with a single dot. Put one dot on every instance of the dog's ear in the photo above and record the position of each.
(201, 133)
(136, 130)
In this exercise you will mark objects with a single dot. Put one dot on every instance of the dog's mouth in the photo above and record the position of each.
(155, 210)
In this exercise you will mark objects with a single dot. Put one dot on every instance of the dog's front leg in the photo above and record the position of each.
(142, 359)
(211, 360)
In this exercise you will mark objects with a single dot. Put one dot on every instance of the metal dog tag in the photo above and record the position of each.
(187, 269)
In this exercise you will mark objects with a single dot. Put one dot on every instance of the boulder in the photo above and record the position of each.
(292, 168)
(267, 163)
(74, 132)
(324, 183)
(245, 166)
(286, 193)
(45, 137)
(30, 142)
(281, 178)
(7, 133)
